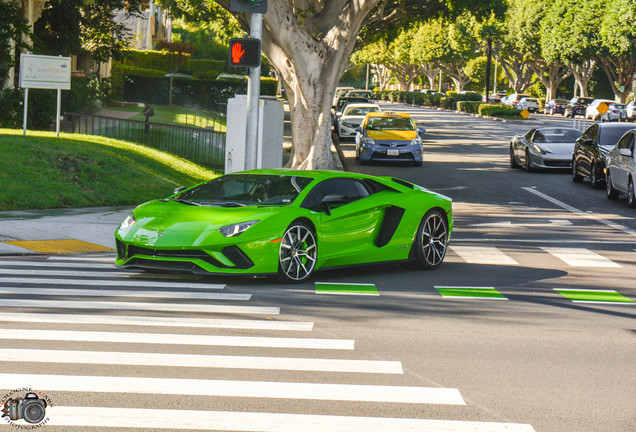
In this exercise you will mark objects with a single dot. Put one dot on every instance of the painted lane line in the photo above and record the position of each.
(580, 257)
(85, 259)
(226, 388)
(125, 418)
(19, 263)
(117, 283)
(127, 320)
(339, 288)
(115, 305)
(123, 293)
(580, 212)
(177, 339)
(559, 241)
(201, 361)
(456, 292)
(483, 255)
(594, 296)
(73, 273)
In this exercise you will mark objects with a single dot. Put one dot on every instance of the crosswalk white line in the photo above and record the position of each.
(42, 263)
(200, 361)
(177, 339)
(580, 257)
(165, 307)
(74, 273)
(123, 293)
(156, 321)
(79, 259)
(227, 388)
(119, 283)
(259, 422)
(483, 255)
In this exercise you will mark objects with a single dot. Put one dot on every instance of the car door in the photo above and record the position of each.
(348, 227)
(587, 149)
(624, 164)
(521, 143)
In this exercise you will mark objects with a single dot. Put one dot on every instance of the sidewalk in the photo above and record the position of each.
(60, 230)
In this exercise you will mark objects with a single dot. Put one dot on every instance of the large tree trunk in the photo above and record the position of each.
(310, 54)
(582, 74)
(456, 72)
(518, 73)
(620, 71)
(431, 73)
(551, 76)
(383, 74)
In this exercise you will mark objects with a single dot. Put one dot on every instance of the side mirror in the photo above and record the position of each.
(625, 152)
(420, 131)
(179, 189)
(332, 200)
(358, 129)
(338, 113)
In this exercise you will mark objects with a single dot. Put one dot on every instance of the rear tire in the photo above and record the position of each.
(612, 193)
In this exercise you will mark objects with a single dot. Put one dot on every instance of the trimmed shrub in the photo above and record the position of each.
(207, 69)
(120, 70)
(499, 110)
(158, 60)
(469, 106)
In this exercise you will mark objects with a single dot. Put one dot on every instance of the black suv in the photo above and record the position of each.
(588, 160)
(577, 106)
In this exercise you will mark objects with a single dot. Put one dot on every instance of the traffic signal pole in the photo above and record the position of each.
(253, 96)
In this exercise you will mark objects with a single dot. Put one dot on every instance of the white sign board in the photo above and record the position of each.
(45, 72)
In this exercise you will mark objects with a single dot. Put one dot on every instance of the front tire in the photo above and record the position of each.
(576, 177)
(631, 194)
(513, 162)
(431, 240)
(526, 165)
(297, 254)
(612, 193)
(596, 181)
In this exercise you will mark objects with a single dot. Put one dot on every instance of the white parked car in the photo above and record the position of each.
(631, 110)
(514, 99)
(352, 116)
(340, 91)
(591, 111)
(620, 169)
(616, 111)
(531, 104)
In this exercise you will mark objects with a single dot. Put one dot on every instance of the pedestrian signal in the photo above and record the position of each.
(245, 52)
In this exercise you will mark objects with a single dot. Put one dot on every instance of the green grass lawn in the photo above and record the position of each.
(178, 116)
(40, 171)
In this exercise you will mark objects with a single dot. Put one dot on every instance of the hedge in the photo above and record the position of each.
(207, 68)
(469, 106)
(208, 94)
(119, 71)
(150, 59)
(499, 110)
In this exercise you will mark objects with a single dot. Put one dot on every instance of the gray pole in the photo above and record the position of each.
(253, 96)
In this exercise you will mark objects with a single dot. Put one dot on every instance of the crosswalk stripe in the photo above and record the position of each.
(202, 361)
(580, 257)
(258, 421)
(157, 321)
(227, 388)
(79, 259)
(122, 293)
(119, 283)
(177, 339)
(41, 263)
(172, 307)
(483, 255)
(74, 273)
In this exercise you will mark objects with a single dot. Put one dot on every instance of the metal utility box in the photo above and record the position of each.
(270, 133)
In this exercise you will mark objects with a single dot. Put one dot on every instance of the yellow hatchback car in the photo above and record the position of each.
(389, 137)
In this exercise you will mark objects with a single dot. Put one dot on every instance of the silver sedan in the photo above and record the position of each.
(620, 169)
(549, 147)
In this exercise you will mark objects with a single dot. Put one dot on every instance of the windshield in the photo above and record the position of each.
(360, 111)
(557, 135)
(236, 190)
(391, 123)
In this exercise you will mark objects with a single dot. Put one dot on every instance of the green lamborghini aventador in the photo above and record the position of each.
(287, 222)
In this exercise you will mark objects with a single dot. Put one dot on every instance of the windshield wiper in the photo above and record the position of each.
(183, 201)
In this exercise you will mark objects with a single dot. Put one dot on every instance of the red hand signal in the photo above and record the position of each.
(237, 53)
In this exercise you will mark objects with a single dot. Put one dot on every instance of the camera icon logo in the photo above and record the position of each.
(30, 408)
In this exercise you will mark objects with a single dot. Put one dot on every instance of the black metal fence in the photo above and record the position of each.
(202, 146)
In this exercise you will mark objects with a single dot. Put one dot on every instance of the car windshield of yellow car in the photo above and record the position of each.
(390, 123)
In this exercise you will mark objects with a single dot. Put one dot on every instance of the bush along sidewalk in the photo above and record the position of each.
(469, 103)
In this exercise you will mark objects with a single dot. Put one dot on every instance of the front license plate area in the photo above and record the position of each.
(393, 152)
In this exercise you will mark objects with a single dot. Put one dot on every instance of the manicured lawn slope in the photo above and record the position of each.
(42, 171)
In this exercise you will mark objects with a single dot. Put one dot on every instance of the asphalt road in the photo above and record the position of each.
(414, 360)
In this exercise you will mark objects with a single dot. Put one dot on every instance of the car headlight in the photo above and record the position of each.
(128, 222)
(367, 141)
(538, 149)
(236, 229)
(416, 141)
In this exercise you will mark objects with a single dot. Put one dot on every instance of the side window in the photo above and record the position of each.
(351, 189)
(528, 135)
(539, 137)
(623, 143)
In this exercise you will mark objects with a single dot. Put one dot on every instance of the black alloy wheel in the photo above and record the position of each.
(431, 240)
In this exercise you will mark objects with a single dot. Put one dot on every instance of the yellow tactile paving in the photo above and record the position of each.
(60, 246)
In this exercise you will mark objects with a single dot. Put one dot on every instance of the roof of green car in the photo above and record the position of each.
(316, 174)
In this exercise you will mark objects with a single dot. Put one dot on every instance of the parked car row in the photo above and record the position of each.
(602, 154)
